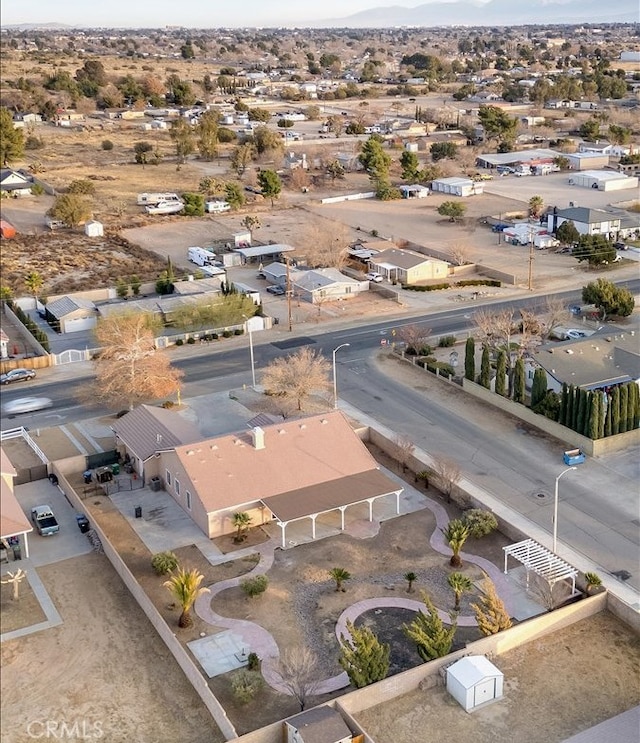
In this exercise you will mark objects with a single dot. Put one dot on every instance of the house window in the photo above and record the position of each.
(188, 499)
(167, 475)
(176, 487)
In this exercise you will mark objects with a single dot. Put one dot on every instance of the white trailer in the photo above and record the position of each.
(216, 206)
(150, 199)
(201, 257)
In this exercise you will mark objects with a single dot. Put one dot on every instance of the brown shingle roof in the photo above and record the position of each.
(147, 430)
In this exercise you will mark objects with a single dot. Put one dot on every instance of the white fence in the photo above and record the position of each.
(349, 197)
(22, 433)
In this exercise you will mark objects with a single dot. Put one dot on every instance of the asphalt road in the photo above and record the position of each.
(599, 505)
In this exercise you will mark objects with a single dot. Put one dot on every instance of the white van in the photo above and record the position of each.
(201, 257)
(150, 199)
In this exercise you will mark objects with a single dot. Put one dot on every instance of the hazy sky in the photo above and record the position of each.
(198, 14)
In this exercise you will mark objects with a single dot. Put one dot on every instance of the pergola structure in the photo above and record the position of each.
(335, 495)
(542, 561)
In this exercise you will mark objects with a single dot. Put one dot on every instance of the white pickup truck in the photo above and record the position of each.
(44, 521)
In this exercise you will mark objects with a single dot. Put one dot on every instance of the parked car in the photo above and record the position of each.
(17, 375)
(278, 290)
(499, 227)
(373, 276)
(26, 405)
(620, 246)
(575, 335)
(44, 521)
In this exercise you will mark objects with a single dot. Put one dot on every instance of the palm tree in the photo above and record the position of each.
(185, 587)
(536, 205)
(33, 283)
(241, 521)
(456, 535)
(459, 583)
(340, 575)
(410, 578)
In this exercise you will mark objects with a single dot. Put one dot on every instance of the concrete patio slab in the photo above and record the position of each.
(221, 653)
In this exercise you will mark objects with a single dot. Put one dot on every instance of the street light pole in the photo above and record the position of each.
(555, 508)
(253, 366)
(335, 379)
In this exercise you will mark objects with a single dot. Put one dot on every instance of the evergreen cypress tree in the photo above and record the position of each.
(634, 406)
(593, 422)
(428, 632)
(599, 398)
(562, 418)
(501, 370)
(615, 411)
(624, 403)
(485, 369)
(363, 657)
(539, 386)
(519, 388)
(470, 359)
(582, 416)
(607, 417)
(570, 403)
(576, 408)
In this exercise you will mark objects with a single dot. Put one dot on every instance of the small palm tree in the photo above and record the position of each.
(536, 206)
(456, 535)
(410, 578)
(33, 283)
(459, 583)
(592, 581)
(241, 521)
(185, 587)
(340, 575)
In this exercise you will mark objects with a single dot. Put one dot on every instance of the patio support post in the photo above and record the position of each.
(370, 502)
(342, 510)
(397, 502)
(26, 546)
(283, 526)
(313, 525)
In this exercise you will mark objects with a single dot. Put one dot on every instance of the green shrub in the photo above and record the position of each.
(191, 340)
(238, 331)
(179, 342)
(445, 369)
(33, 143)
(253, 662)
(429, 288)
(227, 334)
(447, 341)
(214, 336)
(164, 562)
(82, 186)
(245, 685)
(168, 404)
(107, 144)
(37, 189)
(478, 282)
(254, 586)
(480, 522)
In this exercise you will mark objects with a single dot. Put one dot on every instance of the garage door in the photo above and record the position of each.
(79, 323)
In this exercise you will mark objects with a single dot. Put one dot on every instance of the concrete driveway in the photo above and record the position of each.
(69, 541)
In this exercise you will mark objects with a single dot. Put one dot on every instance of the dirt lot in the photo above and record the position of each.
(100, 668)
(553, 688)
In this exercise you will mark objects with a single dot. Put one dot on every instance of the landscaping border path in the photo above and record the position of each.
(261, 642)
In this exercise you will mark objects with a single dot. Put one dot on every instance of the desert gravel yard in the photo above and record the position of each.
(104, 668)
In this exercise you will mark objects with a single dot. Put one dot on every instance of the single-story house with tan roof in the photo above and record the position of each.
(285, 471)
(407, 267)
(326, 284)
(13, 522)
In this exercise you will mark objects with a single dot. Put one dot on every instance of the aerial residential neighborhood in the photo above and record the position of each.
(320, 373)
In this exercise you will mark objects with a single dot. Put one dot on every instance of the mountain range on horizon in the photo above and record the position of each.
(459, 13)
(492, 13)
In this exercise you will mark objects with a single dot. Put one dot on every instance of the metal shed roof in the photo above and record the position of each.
(471, 670)
(259, 250)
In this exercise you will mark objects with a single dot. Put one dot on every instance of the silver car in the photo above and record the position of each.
(17, 375)
(26, 405)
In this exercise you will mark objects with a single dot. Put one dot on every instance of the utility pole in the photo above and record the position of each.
(530, 283)
(288, 293)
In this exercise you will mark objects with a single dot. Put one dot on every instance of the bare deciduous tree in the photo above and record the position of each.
(299, 179)
(403, 449)
(129, 369)
(297, 376)
(325, 243)
(446, 472)
(461, 253)
(414, 337)
(298, 671)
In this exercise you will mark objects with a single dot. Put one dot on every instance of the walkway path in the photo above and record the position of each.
(264, 645)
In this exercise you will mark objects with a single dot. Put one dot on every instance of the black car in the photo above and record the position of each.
(17, 375)
(278, 290)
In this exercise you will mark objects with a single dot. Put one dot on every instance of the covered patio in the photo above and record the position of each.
(336, 495)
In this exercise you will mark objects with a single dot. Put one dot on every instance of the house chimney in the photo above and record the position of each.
(257, 434)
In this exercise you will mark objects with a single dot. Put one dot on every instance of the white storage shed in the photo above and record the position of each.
(92, 228)
(457, 186)
(474, 681)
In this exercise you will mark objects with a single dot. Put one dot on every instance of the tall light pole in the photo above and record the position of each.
(555, 508)
(335, 379)
(253, 366)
